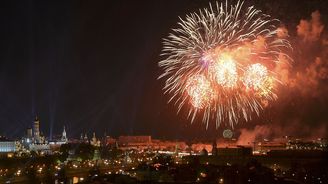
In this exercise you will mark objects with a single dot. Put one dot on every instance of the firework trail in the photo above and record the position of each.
(220, 61)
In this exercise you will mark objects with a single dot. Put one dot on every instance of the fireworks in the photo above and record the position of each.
(199, 90)
(255, 76)
(220, 62)
(224, 71)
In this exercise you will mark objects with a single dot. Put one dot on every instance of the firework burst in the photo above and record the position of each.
(221, 60)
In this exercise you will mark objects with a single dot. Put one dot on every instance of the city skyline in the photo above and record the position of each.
(78, 65)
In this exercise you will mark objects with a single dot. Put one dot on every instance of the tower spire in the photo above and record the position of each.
(36, 130)
(64, 137)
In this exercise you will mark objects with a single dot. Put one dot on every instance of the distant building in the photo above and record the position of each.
(298, 144)
(33, 135)
(172, 146)
(109, 141)
(42, 148)
(85, 138)
(35, 140)
(267, 146)
(7, 146)
(134, 140)
(64, 137)
(36, 130)
(55, 144)
(29, 135)
(94, 141)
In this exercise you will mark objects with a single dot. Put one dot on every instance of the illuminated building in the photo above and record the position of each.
(298, 144)
(7, 146)
(134, 140)
(36, 130)
(85, 138)
(266, 146)
(94, 140)
(43, 148)
(55, 144)
(29, 135)
(34, 140)
(171, 146)
(109, 141)
(64, 137)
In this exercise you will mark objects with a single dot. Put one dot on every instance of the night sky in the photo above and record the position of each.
(92, 66)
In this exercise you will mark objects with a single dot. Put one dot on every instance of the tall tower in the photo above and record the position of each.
(29, 135)
(36, 130)
(94, 139)
(64, 137)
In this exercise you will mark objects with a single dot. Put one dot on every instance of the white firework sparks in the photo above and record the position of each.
(220, 61)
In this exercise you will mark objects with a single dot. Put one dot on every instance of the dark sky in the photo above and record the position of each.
(92, 66)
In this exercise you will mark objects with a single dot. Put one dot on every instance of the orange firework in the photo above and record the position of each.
(220, 61)
(200, 91)
(224, 71)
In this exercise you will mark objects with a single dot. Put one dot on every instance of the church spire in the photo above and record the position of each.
(64, 137)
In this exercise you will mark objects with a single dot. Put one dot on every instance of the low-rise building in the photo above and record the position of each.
(7, 146)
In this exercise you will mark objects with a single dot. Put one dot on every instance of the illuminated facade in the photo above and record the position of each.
(7, 146)
(134, 140)
(36, 130)
(94, 141)
(64, 137)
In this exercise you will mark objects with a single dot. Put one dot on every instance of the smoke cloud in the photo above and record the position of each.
(310, 30)
(310, 81)
(302, 108)
(248, 136)
(310, 73)
(276, 133)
